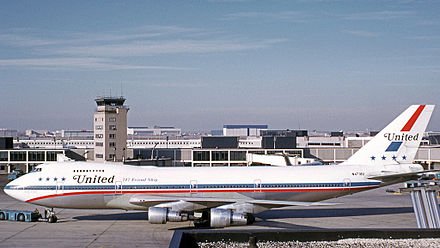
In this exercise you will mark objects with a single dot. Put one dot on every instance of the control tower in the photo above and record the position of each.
(110, 128)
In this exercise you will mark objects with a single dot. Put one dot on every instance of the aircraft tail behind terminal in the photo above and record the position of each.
(398, 142)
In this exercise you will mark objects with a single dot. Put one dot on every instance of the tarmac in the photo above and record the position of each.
(119, 228)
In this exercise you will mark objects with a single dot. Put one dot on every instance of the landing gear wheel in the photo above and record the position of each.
(201, 223)
(52, 218)
(50, 215)
(20, 217)
(204, 221)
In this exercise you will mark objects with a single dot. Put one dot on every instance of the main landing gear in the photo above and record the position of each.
(49, 214)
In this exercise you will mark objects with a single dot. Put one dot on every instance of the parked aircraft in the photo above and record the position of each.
(224, 196)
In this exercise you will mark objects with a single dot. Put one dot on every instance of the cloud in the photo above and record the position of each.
(425, 37)
(379, 15)
(107, 51)
(32, 38)
(149, 48)
(293, 16)
(361, 33)
(79, 63)
(229, 1)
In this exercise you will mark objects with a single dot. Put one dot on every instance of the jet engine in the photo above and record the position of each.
(226, 217)
(162, 215)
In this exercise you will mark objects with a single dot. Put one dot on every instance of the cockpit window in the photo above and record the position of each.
(36, 170)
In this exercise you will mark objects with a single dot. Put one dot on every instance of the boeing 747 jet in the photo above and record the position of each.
(224, 196)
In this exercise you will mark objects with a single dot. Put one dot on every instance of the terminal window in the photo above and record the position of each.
(36, 156)
(238, 156)
(201, 156)
(219, 155)
(52, 155)
(3, 156)
(18, 156)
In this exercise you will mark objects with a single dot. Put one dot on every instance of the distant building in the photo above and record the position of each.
(243, 130)
(77, 134)
(434, 138)
(143, 132)
(4, 132)
(6, 143)
(39, 133)
(284, 133)
(110, 129)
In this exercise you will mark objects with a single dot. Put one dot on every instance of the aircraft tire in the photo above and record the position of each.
(21, 217)
(201, 224)
(52, 219)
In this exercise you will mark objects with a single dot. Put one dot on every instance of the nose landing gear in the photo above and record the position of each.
(49, 214)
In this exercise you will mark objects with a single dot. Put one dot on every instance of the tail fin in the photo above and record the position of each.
(398, 142)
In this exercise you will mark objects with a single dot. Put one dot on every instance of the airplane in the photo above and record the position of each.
(223, 196)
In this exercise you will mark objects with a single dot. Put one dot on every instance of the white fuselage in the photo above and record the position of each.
(100, 186)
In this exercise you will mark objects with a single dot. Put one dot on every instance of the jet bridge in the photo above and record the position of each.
(424, 199)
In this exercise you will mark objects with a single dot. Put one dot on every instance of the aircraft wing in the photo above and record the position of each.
(279, 204)
(179, 203)
(197, 203)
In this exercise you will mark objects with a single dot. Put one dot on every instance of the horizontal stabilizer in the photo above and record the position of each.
(401, 177)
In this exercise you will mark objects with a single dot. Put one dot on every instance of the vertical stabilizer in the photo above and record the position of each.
(398, 142)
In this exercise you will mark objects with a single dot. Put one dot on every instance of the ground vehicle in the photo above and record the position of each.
(19, 215)
(15, 174)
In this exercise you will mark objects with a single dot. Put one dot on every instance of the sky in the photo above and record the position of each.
(197, 65)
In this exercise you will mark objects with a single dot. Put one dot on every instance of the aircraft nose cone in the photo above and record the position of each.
(10, 189)
(7, 189)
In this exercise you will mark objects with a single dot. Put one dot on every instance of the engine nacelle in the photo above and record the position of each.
(162, 215)
(226, 217)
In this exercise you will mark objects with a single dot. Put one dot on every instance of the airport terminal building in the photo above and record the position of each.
(112, 140)
(23, 153)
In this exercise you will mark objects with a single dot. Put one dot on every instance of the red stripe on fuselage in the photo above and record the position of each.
(413, 119)
(198, 191)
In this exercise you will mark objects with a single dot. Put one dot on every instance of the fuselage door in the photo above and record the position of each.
(118, 188)
(347, 183)
(60, 188)
(193, 186)
(257, 185)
